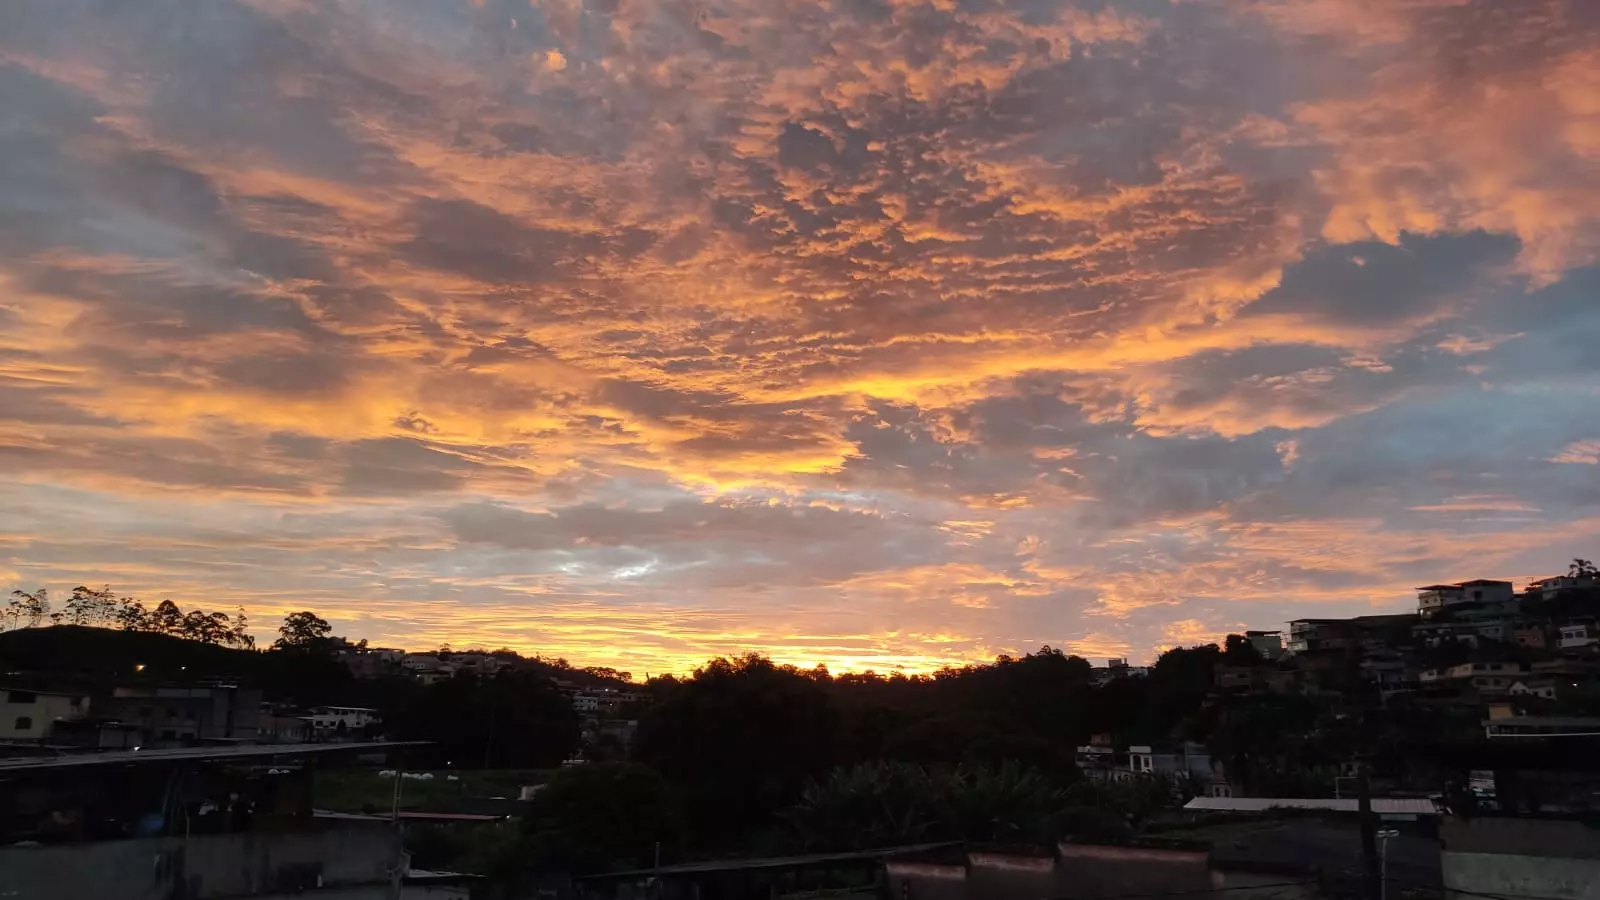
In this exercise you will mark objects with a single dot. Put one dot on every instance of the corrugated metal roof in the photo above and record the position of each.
(1418, 806)
(197, 754)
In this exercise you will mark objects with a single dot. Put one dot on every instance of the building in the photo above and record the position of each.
(31, 715)
(1541, 727)
(586, 703)
(1187, 759)
(1534, 637)
(1436, 634)
(1234, 678)
(1550, 588)
(1360, 634)
(186, 715)
(1099, 758)
(330, 720)
(371, 662)
(203, 823)
(1115, 668)
(1543, 688)
(1391, 672)
(1571, 670)
(1435, 598)
(1488, 678)
(1267, 643)
(1579, 635)
(280, 728)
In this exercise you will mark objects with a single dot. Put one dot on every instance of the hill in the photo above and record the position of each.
(105, 653)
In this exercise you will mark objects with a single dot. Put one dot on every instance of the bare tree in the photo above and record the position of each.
(33, 607)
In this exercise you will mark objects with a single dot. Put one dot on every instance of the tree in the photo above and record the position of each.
(131, 615)
(207, 628)
(516, 719)
(33, 607)
(601, 816)
(167, 619)
(880, 804)
(239, 632)
(1582, 568)
(86, 606)
(13, 611)
(1238, 651)
(304, 630)
(743, 735)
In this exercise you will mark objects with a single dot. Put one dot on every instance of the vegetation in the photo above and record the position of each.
(749, 756)
(104, 609)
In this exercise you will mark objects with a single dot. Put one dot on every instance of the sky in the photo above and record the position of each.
(870, 333)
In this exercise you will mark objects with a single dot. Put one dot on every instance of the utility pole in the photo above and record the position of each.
(1372, 871)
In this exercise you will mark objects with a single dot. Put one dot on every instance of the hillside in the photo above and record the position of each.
(106, 653)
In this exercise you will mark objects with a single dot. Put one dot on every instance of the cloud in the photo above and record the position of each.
(875, 334)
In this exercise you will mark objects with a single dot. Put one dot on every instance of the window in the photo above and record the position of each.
(24, 697)
(24, 723)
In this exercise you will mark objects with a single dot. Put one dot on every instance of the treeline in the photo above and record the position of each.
(749, 756)
(104, 609)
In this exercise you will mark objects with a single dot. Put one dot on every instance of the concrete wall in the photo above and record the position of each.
(1532, 857)
(200, 868)
(1083, 872)
(1531, 876)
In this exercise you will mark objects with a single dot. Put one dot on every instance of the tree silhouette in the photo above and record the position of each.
(304, 630)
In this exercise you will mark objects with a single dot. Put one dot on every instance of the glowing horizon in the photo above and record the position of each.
(870, 333)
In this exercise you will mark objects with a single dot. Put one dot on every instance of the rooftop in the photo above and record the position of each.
(190, 754)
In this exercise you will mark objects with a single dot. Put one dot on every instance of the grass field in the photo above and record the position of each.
(364, 790)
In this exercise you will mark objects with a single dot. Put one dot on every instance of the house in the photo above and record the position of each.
(584, 702)
(1544, 688)
(178, 715)
(280, 728)
(327, 720)
(1436, 634)
(371, 662)
(242, 824)
(1533, 637)
(1484, 677)
(1571, 670)
(1550, 588)
(1435, 598)
(1234, 678)
(1267, 643)
(1098, 758)
(1187, 759)
(27, 715)
(1541, 726)
(1390, 672)
(1578, 635)
(1115, 668)
(1349, 635)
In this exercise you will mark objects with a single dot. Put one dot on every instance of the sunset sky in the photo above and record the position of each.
(871, 333)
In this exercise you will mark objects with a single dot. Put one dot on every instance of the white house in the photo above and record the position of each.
(1578, 635)
(326, 719)
(30, 715)
(1436, 597)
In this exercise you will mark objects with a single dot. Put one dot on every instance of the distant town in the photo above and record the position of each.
(1454, 743)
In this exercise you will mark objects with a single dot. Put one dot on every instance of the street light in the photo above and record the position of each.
(1383, 860)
